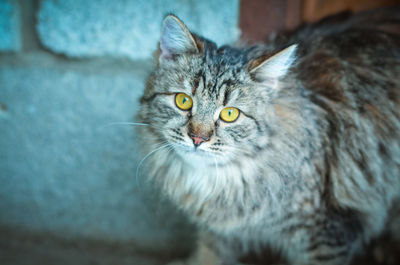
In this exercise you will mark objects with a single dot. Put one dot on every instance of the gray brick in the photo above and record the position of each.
(62, 171)
(9, 26)
(128, 28)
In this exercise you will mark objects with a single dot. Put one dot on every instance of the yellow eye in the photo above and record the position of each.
(229, 114)
(183, 101)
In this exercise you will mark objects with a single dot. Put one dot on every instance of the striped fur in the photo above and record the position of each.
(312, 166)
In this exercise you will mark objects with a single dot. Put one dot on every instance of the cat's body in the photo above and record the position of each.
(311, 167)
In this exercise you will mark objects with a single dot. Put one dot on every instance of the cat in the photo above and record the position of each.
(292, 144)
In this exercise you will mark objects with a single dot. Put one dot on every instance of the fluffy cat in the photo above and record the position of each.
(295, 148)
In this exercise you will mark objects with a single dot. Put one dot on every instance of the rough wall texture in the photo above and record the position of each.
(9, 26)
(61, 170)
(82, 28)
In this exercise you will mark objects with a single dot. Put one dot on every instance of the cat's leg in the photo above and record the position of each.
(203, 255)
(212, 250)
(394, 221)
(330, 239)
(386, 250)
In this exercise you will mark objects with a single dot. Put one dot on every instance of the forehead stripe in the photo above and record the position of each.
(226, 95)
(196, 82)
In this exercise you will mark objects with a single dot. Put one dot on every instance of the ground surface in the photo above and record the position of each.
(18, 248)
(22, 249)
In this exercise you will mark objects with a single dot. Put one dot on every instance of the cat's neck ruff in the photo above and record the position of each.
(185, 176)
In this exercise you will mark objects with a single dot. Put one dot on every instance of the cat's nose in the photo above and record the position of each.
(198, 139)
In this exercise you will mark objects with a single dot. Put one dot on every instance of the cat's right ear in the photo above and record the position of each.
(269, 69)
(176, 39)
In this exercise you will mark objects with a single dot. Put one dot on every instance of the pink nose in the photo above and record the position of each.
(197, 140)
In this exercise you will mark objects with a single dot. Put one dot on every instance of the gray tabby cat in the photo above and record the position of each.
(297, 148)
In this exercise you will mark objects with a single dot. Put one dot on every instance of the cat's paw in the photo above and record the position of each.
(188, 262)
(196, 261)
(178, 262)
(386, 254)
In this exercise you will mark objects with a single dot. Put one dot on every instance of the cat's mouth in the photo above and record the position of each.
(192, 149)
(200, 157)
(193, 152)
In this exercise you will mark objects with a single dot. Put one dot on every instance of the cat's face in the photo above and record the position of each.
(210, 105)
(206, 110)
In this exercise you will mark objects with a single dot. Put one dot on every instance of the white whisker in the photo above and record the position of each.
(217, 177)
(144, 158)
(123, 123)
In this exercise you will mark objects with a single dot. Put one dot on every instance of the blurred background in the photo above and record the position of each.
(69, 192)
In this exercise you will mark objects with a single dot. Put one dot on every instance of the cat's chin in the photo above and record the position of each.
(196, 156)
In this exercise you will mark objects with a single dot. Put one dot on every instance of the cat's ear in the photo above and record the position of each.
(176, 39)
(272, 68)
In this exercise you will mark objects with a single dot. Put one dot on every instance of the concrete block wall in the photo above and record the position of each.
(9, 26)
(128, 28)
(62, 171)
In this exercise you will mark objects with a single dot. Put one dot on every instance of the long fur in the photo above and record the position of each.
(312, 165)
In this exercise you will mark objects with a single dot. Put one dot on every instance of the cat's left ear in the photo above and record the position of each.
(272, 68)
(176, 39)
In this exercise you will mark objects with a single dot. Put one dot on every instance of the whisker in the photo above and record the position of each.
(170, 149)
(144, 158)
(123, 123)
(240, 150)
(217, 177)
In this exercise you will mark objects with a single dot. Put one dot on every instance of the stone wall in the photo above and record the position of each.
(9, 26)
(127, 28)
(67, 70)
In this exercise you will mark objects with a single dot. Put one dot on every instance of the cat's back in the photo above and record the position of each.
(357, 51)
(349, 68)
(349, 65)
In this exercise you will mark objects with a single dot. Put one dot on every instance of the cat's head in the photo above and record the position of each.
(211, 103)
